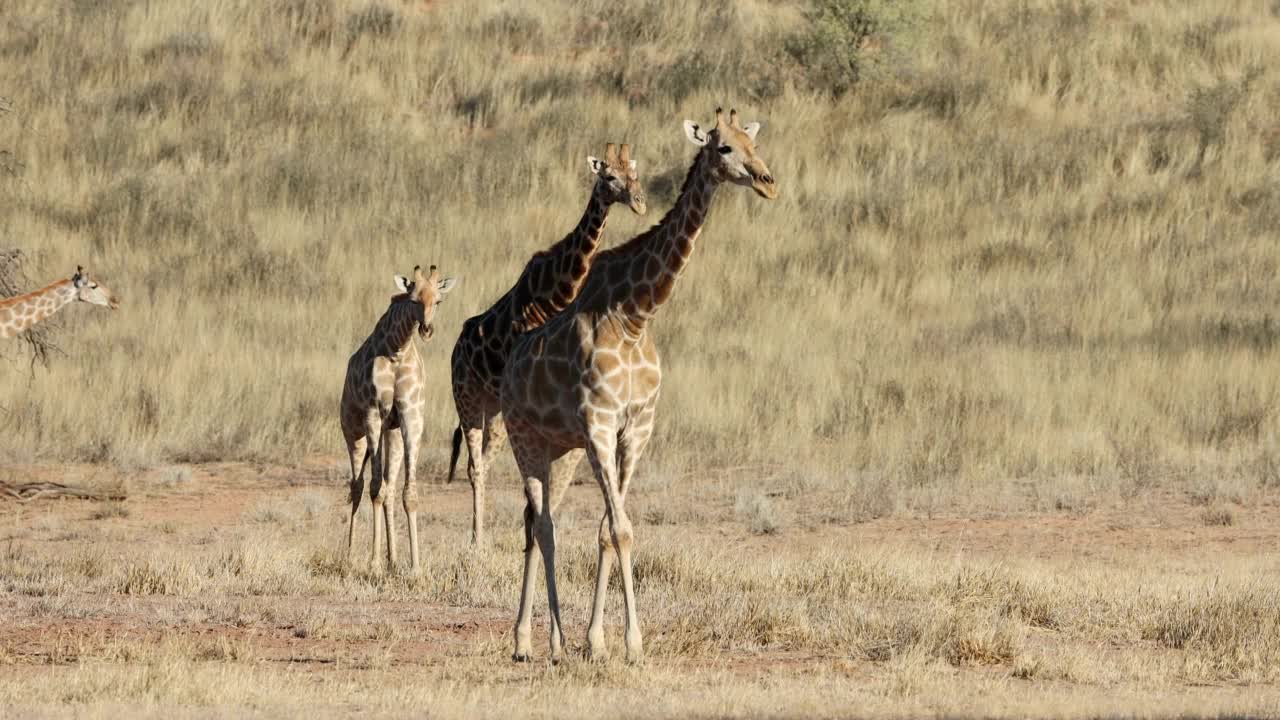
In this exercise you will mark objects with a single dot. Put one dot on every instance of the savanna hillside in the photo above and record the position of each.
(1025, 251)
(977, 419)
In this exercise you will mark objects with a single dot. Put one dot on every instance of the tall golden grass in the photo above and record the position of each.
(1036, 250)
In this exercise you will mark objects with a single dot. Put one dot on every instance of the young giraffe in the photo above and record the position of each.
(17, 314)
(587, 381)
(550, 281)
(383, 393)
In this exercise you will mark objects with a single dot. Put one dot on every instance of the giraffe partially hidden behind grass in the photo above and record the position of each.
(587, 381)
(17, 314)
(383, 394)
(549, 282)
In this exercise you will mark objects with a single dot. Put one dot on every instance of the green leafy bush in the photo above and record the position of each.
(847, 40)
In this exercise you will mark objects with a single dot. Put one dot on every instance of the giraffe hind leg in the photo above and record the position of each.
(491, 441)
(473, 434)
(358, 451)
(534, 469)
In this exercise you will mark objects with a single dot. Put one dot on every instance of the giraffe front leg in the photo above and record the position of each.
(411, 430)
(602, 452)
(596, 648)
(373, 433)
(631, 447)
(393, 453)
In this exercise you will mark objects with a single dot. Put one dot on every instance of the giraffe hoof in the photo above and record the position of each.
(522, 657)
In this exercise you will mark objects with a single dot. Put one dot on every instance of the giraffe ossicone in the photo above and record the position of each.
(382, 410)
(18, 314)
(587, 381)
(548, 283)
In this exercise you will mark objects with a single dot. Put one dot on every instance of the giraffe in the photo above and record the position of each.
(383, 393)
(548, 283)
(17, 314)
(586, 383)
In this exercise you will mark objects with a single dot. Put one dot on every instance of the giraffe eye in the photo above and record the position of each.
(724, 149)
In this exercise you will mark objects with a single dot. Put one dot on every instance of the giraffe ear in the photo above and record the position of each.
(595, 163)
(403, 284)
(631, 165)
(446, 285)
(751, 129)
(694, 133)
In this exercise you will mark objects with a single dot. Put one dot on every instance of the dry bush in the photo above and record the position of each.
(110, 510)
(758, 513)
(1218, 515)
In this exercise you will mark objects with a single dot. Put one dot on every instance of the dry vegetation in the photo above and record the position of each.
(1024, 265)
(231, 591)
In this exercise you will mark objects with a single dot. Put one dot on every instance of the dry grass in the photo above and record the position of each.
(110, 510)
(1036, 249)
(272, 615)
(1026, 266)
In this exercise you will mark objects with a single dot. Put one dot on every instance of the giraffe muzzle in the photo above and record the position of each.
(764, 186)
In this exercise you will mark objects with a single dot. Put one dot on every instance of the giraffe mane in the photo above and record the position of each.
(642, 239)
(16, 299)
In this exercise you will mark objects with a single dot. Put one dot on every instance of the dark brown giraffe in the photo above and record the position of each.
(550, 281)
(587, 381)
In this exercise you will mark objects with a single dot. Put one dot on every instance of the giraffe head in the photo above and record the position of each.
(616, 176)
(424, 293)
(735, 147)
(90, 291)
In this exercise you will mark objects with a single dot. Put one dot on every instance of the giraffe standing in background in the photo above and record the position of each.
(549, 282)
(587, 381)
(17, 314)
(382, 394)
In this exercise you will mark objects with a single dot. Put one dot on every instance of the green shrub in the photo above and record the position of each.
(847, 40)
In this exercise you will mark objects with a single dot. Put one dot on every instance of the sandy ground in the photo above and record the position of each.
(200, 508)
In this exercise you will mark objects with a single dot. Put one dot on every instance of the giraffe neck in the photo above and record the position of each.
(553, 280)
(394, 332)
(20, 313)
(657, 258)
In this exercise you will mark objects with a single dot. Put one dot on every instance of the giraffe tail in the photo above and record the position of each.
(453, 455)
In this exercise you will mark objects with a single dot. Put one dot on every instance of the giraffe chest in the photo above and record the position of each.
(397, 375)
(625, 379)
